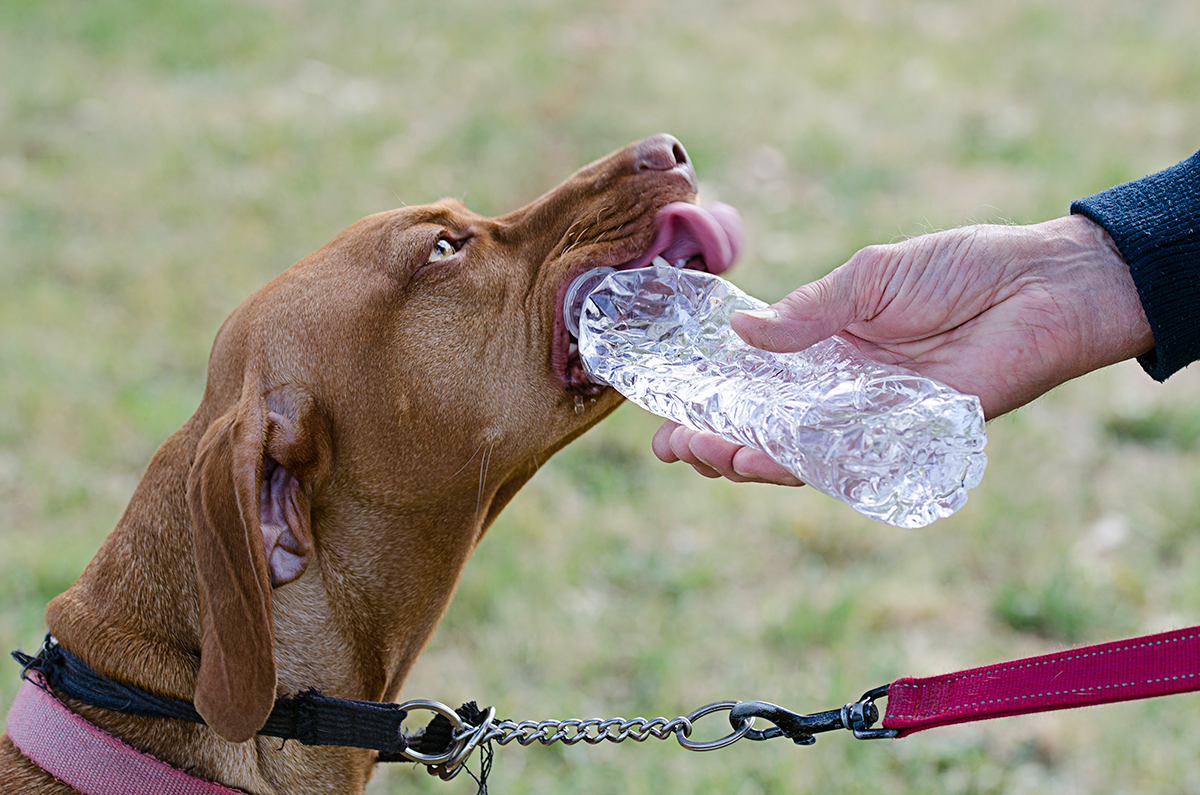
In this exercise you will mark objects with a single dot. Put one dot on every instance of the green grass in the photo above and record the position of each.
(159, 161)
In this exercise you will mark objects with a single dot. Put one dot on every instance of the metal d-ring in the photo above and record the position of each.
(456, 724)
(682, 733)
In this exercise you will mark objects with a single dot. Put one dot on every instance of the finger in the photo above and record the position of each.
(714, 457)
(707, 472)
(670, 444)
(758, 467)
(661, 443)
(679, 440)
(734, 462)
(814, 312)
(716, 454)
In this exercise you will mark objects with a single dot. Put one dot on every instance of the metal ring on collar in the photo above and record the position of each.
(447, 713)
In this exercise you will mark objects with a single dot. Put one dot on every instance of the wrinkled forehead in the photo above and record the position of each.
(446, 212)
(402, 234)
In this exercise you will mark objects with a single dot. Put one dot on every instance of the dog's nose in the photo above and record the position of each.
(663, 153)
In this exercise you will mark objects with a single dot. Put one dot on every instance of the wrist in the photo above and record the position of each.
(1099, 287)
(1153, 221)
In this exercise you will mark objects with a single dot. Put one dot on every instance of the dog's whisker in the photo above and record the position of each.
(466, 464)
(579, 237)
(484, 463)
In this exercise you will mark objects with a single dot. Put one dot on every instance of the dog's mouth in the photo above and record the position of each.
(686, 236)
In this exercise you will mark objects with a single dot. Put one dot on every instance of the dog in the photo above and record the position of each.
(367, 414)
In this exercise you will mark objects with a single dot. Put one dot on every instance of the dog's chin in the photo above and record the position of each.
(686, 236)
(576, 376)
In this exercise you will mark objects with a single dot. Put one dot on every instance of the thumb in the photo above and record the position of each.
(814, 312)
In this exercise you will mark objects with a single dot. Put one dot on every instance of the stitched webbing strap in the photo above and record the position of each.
(309, 717)
(1145, 667)
(90, 759)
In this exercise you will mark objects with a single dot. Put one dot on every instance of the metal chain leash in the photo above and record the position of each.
(466, 736)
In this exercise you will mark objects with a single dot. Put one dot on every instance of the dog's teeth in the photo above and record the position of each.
(659, 260)
(572, 349)
(682, 263)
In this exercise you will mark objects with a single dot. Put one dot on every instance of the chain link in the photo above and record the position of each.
(590, 731)
(466, 737)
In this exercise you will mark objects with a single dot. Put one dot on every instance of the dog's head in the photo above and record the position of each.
(414, 370)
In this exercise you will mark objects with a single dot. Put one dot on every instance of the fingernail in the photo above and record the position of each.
(759, 314)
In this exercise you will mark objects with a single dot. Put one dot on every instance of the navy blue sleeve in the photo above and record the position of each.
(1155, 222)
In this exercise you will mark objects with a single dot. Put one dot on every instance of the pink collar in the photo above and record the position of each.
(88, 758)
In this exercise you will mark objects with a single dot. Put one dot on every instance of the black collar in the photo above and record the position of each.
(308, 717)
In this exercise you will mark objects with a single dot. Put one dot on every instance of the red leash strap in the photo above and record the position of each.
(1145, 667)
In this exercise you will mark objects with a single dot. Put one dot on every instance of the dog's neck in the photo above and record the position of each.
(360, 644)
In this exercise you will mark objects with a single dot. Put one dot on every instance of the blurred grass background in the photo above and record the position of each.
(159, 161)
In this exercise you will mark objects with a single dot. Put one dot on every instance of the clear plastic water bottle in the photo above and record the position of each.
(894, 445)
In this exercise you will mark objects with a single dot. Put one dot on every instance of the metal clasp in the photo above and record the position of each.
(858, 717)
(862, 714)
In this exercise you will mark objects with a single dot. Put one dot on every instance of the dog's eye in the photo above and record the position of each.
(442, 249)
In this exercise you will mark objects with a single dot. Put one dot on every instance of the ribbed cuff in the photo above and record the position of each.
(1155, 222)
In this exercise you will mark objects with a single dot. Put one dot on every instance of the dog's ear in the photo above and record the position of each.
(235, 687)
(252, 530)
(296, 463)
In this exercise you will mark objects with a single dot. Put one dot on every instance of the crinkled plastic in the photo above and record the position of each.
(895, 446)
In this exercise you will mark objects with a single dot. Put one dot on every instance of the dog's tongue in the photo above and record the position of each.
(685, 231)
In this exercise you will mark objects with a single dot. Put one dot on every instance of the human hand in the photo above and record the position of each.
(1002, 312)
(713, 457)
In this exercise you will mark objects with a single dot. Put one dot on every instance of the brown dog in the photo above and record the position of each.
(367, 415)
